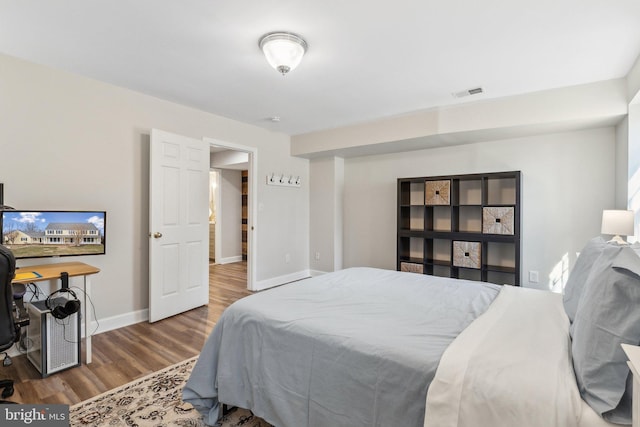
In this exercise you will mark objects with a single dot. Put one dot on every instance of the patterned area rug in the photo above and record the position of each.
(154, 400)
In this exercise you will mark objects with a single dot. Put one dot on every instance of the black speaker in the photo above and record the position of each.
(60, 311)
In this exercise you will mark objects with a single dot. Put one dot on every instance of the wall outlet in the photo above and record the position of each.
(533, 276)
(317, 256)
(287, 258)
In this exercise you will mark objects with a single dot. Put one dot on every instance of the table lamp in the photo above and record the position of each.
(617, 223)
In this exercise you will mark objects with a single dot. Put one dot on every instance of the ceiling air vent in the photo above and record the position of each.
(468, 92)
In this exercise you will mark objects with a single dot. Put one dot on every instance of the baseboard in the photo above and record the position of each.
(119, 321)
(229, 260)
(315, 273)
(14, 351)
(281, 280)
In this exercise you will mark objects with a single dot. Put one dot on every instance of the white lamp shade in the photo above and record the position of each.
(617, 222)
(283, 51)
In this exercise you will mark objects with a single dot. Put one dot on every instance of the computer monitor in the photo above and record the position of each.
(43, 233)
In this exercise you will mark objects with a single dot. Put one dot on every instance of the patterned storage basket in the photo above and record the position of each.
(467, 254)
(437, 193)
(411, 267)
(497, 220)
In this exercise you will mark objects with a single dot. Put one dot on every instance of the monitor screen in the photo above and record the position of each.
(38, 234)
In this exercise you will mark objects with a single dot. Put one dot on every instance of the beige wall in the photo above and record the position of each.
(570, 144)
(567, 180)
(569, 108)
(327, 208)
(84, 145)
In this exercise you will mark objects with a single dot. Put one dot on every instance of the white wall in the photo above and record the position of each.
(633, 81)
(326, 236)
(284, 218)
(229, 159)
(69, 142)
(567, 179)
(622, 164)
(230, 216)
(631, 142)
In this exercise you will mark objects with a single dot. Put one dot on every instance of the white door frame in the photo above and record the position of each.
(252, 240)
(217, 240)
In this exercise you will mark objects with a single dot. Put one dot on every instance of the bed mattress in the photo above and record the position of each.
(358, 347)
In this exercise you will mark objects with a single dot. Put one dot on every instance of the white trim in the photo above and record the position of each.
(315, 273)
(13, 351)
(217, 240)
(281, 280)
(229, 259)
(119, 321)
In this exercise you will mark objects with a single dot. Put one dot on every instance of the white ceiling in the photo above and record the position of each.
(367, 59)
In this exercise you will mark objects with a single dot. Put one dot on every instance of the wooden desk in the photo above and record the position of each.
(39, 273)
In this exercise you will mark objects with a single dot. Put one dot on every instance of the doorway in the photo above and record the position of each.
(236, 194)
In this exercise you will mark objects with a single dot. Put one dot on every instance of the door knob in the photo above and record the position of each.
(157, 235)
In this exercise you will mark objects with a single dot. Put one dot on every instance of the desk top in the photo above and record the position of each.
(37, 273)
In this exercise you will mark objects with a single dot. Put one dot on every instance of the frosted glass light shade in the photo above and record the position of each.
(617, 222)
(283, 51)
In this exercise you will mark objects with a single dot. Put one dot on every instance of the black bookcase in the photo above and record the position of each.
(461, 226)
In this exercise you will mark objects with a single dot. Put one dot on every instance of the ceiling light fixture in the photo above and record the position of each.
(283, 50)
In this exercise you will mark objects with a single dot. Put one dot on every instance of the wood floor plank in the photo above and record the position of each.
(128, 353)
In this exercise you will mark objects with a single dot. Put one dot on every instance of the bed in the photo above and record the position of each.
(372, 347)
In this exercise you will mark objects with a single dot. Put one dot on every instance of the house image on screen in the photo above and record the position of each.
(57, 233)
(77, 233)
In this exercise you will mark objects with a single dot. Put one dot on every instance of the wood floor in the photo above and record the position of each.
(124, 354)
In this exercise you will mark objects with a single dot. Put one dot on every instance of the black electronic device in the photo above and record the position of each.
(62, 308)
(64, 278)
(40, 233)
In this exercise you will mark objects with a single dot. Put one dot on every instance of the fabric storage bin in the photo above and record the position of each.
(411, 267)
(437, 193)
(498, 220)
(467, 254)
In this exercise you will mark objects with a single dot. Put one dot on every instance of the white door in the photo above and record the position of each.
(179, 224)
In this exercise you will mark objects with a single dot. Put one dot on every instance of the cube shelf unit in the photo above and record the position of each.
(461, 226)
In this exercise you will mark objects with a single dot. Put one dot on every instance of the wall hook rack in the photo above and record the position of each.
(284, 180)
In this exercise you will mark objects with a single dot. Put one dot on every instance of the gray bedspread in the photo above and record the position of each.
(358, 347)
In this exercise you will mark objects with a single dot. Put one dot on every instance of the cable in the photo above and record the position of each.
(36, 292)
(25, 343)
(93, 307)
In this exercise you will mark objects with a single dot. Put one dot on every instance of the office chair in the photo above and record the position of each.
(9, 333)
